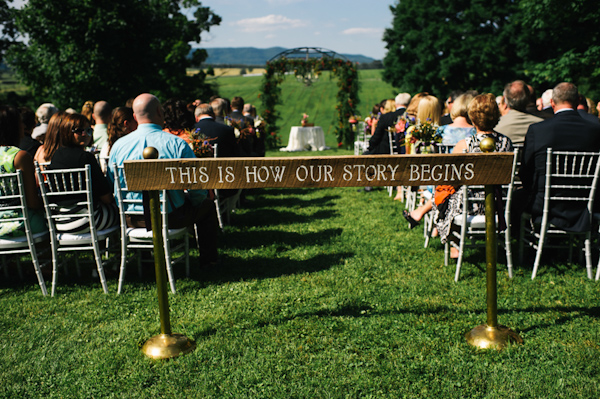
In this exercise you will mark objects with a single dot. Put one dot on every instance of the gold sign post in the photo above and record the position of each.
(491, 335)
(165, 345)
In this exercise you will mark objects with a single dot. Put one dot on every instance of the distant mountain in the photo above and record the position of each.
(257, 56)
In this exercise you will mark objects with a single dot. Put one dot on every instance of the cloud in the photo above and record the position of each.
(269, 23)
(363, 31)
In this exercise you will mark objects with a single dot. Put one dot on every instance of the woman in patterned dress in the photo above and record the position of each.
(484, 114)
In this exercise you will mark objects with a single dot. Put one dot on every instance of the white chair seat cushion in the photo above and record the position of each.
(141, 234)
(75, 239)
(21, 242)
(475, 221)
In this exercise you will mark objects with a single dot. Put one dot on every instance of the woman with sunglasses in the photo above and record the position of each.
(74, 135)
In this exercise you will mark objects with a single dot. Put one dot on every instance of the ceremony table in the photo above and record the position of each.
(306, 138)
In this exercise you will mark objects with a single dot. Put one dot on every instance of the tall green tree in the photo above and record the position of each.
(7, 26)
(442, 45)
(561, 42)
(109, 49)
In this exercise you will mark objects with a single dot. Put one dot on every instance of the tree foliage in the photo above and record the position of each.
(110, 49)
(441, 45)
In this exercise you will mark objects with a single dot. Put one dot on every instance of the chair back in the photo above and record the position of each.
(13, 205)
(571, 180)
(440, 148)
(67, 186)
(130, 203)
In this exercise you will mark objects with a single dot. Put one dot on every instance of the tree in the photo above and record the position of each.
(110, 49)
(7, 30)
(442, 45)
(560, 42)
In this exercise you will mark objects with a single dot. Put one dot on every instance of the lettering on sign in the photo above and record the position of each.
(351, 171)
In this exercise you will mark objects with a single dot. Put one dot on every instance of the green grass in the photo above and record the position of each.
(318, 100)
(323, 293)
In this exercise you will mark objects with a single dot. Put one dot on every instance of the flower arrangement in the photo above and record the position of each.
(244, 129)
(201, 145)
(422, 135)
(304, 120)
(354, 119)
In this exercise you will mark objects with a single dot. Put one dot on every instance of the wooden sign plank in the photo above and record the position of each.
(333, 171)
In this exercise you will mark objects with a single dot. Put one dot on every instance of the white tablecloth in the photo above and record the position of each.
(306, 138)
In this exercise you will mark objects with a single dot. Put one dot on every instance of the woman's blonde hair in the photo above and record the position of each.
(414, 103)
(429, 109)
(460, 107)
(390, 106)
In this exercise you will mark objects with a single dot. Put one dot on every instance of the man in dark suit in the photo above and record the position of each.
(223, 135)
(566, 131)
(380, 142)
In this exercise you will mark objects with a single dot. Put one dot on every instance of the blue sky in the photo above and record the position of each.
(344, 26)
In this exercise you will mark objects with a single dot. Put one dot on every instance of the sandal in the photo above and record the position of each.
(412, 222)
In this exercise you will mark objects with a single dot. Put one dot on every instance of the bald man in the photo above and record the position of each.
(184, 209)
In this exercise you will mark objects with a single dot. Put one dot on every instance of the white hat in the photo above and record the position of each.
(39, 131)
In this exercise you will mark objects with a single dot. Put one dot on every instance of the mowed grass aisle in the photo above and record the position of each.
(323, 293)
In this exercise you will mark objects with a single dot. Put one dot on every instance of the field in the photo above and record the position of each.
(322, 293)
(317, 100)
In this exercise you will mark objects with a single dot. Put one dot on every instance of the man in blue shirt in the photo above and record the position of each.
(184, 209)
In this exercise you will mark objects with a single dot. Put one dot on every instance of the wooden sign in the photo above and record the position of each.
(343, 171)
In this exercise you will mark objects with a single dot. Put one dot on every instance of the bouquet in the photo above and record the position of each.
(201, 145)
(422, 135)
(244, 129)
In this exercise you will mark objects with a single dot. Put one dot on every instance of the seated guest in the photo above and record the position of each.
(122, 123)
(220, 107)
(446, 118)
(12, 158)
(75, 134)
(27, 143)
(178, 119)
(223, 135)
(484, 114)
(101, 115)
(246, 127)
(45, 152)
(380, 142)
(566, 131)
(184, 209)
(546, 106)
(43, 115)
(583, 110)
(516, 121)
(87, 110)
(461, 127)
(249, 111)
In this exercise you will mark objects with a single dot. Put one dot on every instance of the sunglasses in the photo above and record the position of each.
(89, 131)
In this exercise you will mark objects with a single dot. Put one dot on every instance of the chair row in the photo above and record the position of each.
(571, 180)
(72, 226)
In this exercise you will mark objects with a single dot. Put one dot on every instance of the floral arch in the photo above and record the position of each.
(308, 63)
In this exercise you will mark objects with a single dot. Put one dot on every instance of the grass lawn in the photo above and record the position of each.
(323, 293)
(318, 100)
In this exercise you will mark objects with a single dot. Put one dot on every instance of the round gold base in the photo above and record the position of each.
(166, 346)
(485, 337)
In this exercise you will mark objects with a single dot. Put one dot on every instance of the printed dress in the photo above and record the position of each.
(452, 206)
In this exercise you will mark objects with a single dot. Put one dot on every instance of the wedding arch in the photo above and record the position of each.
(307, 63)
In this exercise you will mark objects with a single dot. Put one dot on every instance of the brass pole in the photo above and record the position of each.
(491, 335)
(490, 257)
(159, 263)
(165, 345)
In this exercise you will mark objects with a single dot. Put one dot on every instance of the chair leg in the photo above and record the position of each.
(54, 269)
(187, 255)
(123, 264)
(100, 267)
(588, 255)
(169, 266)
(446, 253)
(540, 247)
(38, 271)
(508, 250)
